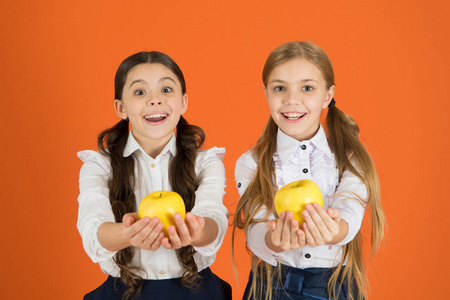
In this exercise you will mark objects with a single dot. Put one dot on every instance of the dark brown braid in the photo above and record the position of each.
(184, 181)
(183, 178)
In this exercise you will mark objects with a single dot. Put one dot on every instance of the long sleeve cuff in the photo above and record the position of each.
(222, 225)
(256, 238)
(91, 244)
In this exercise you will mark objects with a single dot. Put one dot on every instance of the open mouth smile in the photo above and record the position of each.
(293, 116)
(157, 117)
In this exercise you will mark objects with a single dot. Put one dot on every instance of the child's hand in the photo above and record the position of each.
(284, 234)
(187, 232)
(145, 233)
(322, 227)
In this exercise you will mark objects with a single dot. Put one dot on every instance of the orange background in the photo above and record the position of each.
(58, 60)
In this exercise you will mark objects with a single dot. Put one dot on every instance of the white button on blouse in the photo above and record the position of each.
(297, 160)
(151, 175)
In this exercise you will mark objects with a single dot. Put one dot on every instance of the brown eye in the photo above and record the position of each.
(166, 90)
(139, 92)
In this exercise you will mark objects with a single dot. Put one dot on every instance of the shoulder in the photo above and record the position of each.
(94, 160)
(208, 157)
(245, 170)
(246, 165)
(214, 152)
(247, 160)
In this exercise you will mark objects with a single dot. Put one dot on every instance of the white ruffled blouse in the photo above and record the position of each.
(151, 175)
(296, 160)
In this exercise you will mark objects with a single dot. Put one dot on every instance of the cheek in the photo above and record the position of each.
(274, 101)
(132, 110)
(273, 108)
(315, 104)
(177, 106)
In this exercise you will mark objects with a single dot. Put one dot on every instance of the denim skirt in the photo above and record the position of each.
(211, 288)
(300, 284)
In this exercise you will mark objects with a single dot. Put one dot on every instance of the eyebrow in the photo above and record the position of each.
(167, 77)
(282, 81)
(160, 80)
(137, 81)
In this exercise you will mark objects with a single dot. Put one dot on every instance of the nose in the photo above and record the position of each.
(293, 97)
(154, 100)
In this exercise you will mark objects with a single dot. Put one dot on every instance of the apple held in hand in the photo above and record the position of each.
(164, 205)
(295, 195)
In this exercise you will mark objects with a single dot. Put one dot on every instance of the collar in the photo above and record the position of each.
(133, 145)
(287, 145)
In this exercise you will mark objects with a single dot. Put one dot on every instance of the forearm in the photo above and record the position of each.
(271, 245)
(350, 198)
(110, 236)
(255, 235)
(209, 233)
(343, 231)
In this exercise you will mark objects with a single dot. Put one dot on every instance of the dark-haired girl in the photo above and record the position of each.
(139, 155)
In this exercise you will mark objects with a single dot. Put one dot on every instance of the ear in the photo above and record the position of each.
(184, 103)
(265, 90)
(329, 96)
(120, 109)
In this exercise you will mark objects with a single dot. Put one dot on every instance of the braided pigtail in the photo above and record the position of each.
(184, 181)
(121, 196)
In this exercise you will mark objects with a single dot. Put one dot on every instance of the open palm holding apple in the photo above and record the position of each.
(284, 233)
(162, 220)
(302, 219)
(320, 226)
(186, 232)
(145, 233)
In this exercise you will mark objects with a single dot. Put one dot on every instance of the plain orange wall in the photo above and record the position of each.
(58, 60)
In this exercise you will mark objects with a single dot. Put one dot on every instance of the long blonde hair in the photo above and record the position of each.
(343, 139)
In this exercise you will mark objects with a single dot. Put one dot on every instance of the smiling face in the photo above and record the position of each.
(296, 92)
(153, 101)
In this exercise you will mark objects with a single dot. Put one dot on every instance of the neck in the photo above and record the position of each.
(154, 147)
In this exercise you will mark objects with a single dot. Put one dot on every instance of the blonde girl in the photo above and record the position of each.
(141, 263)
(321, 258)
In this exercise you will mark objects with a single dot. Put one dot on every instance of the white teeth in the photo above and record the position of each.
(293, 115)
(154, 116)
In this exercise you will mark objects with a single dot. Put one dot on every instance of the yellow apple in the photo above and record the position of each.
(295, 195)
(164, 205)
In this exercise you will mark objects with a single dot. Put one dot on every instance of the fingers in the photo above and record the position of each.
(320, 227)
(180, 236)
(276, 233)
(310, 241)
(195, 224)
(301, 238)
(334, 214)
(145, 233)
(157, 242)
(173, 240)
(130, 218)
(166, 243)
(185, 233)
(176, 239)
(293, 233)
(285, 233)
(271, 225)
(133, 228)
(201, 222)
